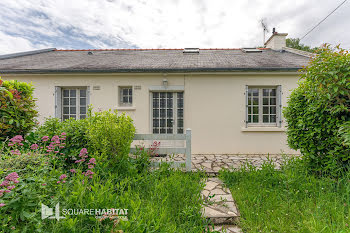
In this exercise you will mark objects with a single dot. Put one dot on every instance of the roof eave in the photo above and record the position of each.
(43, 71)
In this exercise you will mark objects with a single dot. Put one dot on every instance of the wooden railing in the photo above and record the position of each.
(169, 151)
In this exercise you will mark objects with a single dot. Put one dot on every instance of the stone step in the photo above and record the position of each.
(227, 229)
(219, 205)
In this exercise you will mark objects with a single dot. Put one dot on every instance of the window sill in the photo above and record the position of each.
(263, 129)
(123, 108)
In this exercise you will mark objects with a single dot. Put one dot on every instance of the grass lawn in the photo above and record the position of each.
(290, 199)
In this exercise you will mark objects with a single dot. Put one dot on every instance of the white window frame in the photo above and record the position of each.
(121, 95)
(260, 113)
(77, 105)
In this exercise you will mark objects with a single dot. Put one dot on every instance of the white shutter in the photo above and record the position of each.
(279, 106)
(58, 102)
(246, 106)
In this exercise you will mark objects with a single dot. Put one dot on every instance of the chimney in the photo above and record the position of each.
(277, 41)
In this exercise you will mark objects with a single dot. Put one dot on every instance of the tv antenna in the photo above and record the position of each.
(265, 30)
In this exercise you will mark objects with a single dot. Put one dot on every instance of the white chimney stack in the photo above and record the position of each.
(277, 41)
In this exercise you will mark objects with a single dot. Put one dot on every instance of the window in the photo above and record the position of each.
(125, 96)
(263, 106)
(74, 103)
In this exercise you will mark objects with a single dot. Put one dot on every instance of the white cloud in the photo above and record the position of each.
(168, 24)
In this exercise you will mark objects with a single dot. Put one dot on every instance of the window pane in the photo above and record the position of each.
(180, 103)
(249, 110)
(266, 92)
(255, 110)
(155, 113)
(82, 116)
(156, 95)
(65, 93)
(255, 92)
(265, 101)
(249, 92)
(169, 113)
(170, 103)
(125, 91)
(162, 131)
(162, 122)
(273, 118)
(82, 93)
(180, 131)
(82, 110)
(170, 95)
(266, 118)
(65, 117)
(82, 101)
(162, 113)
(65, 101)
(72, 116)
(265, 110)
(170, 130)
(125, 99)
(72, 110)
(130, 99)
(180, 113)
(255, 118)
(272, 92)
(130, 91)
(180, 95)
(155, 123)
(255, 101)
(162, 95)
(72, 101)
(156, 103)
(65, 110)
(273, 101)
(169, 123)
(73, 93)
(155, 130)
(162, 103)
(273, 110)
(180, 123)
(249, 119)
(249, 101)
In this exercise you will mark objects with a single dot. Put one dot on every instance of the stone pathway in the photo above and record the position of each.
(220, 207)
(211, 164)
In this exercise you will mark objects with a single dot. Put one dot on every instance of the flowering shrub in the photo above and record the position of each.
(17, 109)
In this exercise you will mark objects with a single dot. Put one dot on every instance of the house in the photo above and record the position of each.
(230, 98)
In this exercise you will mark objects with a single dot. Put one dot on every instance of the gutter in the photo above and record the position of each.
(43, 71)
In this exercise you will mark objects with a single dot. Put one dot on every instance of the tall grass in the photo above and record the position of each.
(290, 199)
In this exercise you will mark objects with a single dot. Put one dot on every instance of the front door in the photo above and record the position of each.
(167, 112)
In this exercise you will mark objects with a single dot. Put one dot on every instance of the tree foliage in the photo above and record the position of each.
(295, 44)
(17, 108)
(318, 112)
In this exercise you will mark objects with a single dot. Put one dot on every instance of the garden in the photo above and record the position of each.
(85, 165)
(82, 167)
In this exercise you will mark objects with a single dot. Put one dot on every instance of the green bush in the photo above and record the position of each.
(111, 134)
(75, 130)
(318, 108)
(17, 109)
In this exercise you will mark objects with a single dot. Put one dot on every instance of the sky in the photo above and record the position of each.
(98, 24)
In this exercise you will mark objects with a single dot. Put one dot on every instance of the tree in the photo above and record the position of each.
(295, 44)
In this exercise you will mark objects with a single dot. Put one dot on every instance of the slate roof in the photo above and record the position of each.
(149, 60)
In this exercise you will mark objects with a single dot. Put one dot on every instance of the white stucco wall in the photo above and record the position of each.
(214, 105)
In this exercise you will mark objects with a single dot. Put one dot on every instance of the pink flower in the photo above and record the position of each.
(83, 152)
(64, 181)
(88, 172)
(56, 151)
(90, 177)
(15, 152)
(55, 139)
(7, 191)
(2, 204)
(82, 182)
(72, 170)
(44, 184)
(92, 161)
(34, 146)
(91, 166)
(45, 138)
(58, 182)
(16, 181)
(11, 187)
(63, 176)
(17, 139)
(63, 134)
(2, 190)
(80, 160)
(12, 176)
(5, 183)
